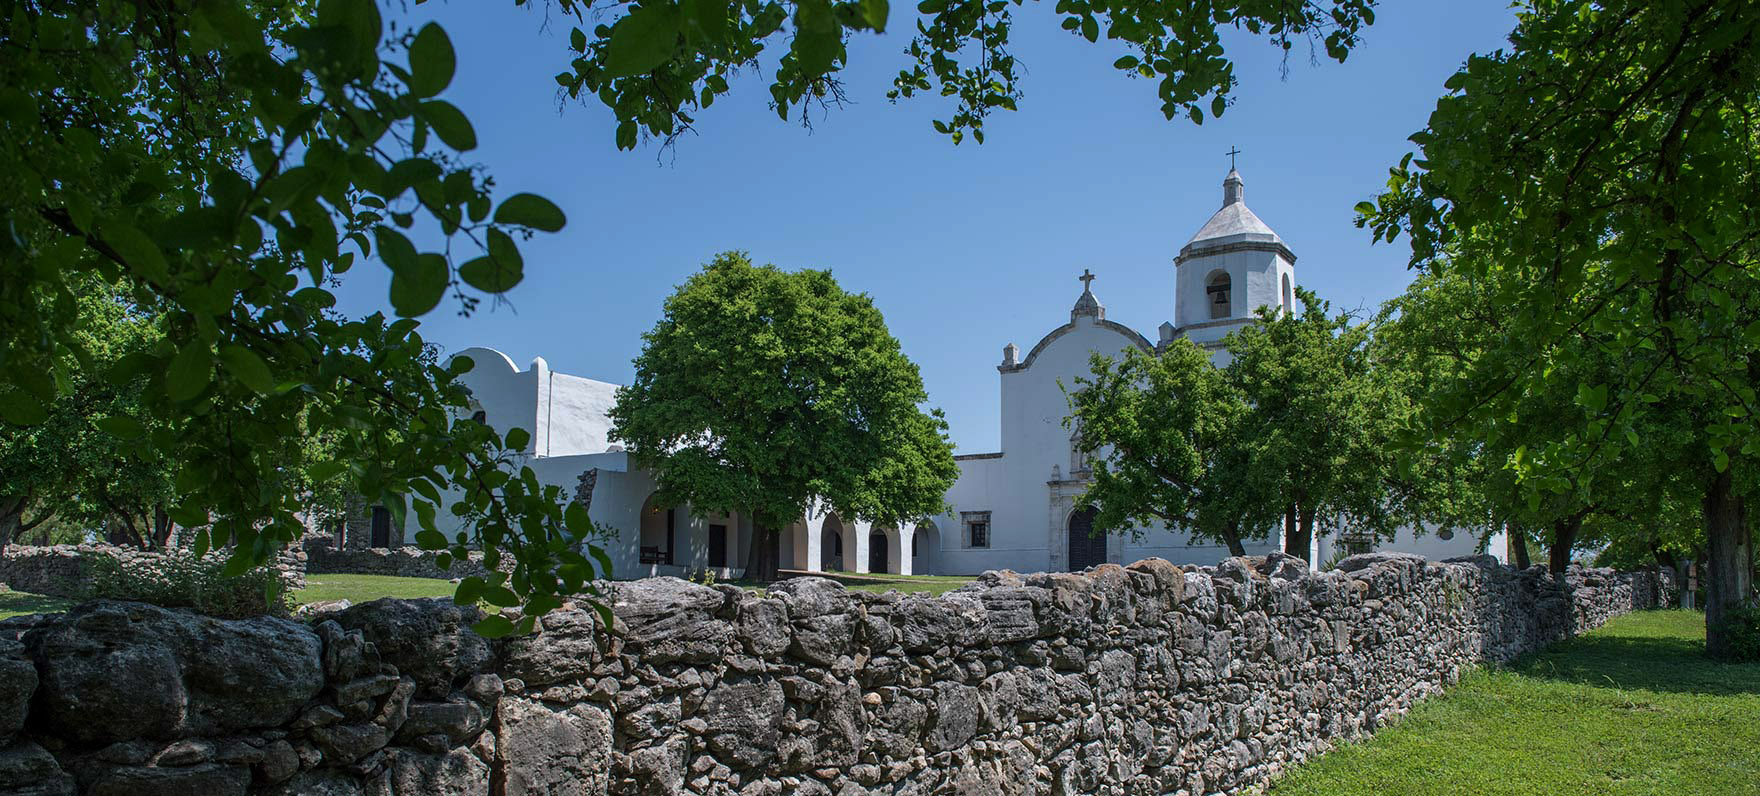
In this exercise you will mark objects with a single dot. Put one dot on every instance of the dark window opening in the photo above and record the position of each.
(381, 526)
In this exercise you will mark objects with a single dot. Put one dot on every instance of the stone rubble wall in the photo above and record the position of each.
(1148, 679)
(323, 557)
(65, 570)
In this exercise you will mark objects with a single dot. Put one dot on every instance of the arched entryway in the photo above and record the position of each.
(1086, 548)
(926, 549)
(878, 560)
(831, 547)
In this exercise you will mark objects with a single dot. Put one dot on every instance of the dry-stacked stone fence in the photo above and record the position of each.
(65, 570)
(1148, 679)
(323, 556)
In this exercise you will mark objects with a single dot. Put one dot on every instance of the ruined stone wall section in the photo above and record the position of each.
(64, 570)
(1148, 679)
(323, 557)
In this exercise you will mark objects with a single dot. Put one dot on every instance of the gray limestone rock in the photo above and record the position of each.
(743, 722)
(116, 670)
(566, 647)
(428, 640)
(27, 769)
(18, 681)
(671, 620)
(456, 773)
(206, 780)
(547, 752)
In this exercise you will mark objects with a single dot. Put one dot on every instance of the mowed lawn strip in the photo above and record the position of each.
(1631, 708)
(19, 603)
(366, 588)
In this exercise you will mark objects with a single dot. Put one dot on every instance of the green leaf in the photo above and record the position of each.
(450, 124)
(248, 368)
(707, 19)
(494, 626)
(431, 62)
(518, 439)
(190, 372)
(21, 409)
(470, 591)
(575, 519)
(500, 596)
(875, 13)
(489, 275)
(418, 286)
(531, 210)
(1090, 29)
(1365, 208)
(642, 41)
(120, 426)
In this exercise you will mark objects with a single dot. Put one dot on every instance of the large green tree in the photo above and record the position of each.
(762, 391)
(1443, 339)
(1598, 180)
(1316, 437)
(1292, 430)
(1161, 432)
(227, 161)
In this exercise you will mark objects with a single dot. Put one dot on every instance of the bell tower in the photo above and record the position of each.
(1234, 265)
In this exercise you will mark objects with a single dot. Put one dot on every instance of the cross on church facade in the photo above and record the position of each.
(1086, 279)
(1232, 151)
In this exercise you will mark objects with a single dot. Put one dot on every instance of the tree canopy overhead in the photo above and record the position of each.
(763, 392)
(662, 62)
(1598, 181)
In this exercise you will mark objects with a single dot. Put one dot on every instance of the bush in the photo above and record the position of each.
(178, 580)
(1741, 625)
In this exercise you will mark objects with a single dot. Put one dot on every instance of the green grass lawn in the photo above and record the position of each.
(1631, 708)
(19, 603)
(366, 588)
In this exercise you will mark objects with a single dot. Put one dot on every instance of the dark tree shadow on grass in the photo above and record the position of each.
(1665, 665)
(18, 602)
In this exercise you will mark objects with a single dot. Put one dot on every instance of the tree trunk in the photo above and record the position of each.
(1729, 571)
(162, 528)
(761, 552)
(1518, 547)
(1231, 535)
(11, 515)
(1564, 537)
(1298, 532)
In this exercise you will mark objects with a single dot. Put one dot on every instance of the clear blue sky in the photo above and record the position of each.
(963, 248)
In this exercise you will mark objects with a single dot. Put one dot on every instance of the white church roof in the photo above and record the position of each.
(1235, 223)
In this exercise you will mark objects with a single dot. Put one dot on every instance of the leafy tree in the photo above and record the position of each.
(227, 162)
(660, 64)
(1161, 433)
(1444, 334)
(761, 391)
(1292, 429)
(1315, 438)
(1598, 180)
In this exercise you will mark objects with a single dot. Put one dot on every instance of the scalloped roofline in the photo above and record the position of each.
(1130, 334)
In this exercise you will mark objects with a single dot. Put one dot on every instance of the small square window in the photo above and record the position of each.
(977, 528)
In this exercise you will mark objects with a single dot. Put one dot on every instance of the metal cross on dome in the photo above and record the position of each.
(1086, 278)
(1232, 151)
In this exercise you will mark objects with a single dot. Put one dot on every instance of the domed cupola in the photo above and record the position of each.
(1234, 265)
(1234, 228)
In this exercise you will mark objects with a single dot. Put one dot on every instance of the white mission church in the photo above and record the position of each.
(1012, 509)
